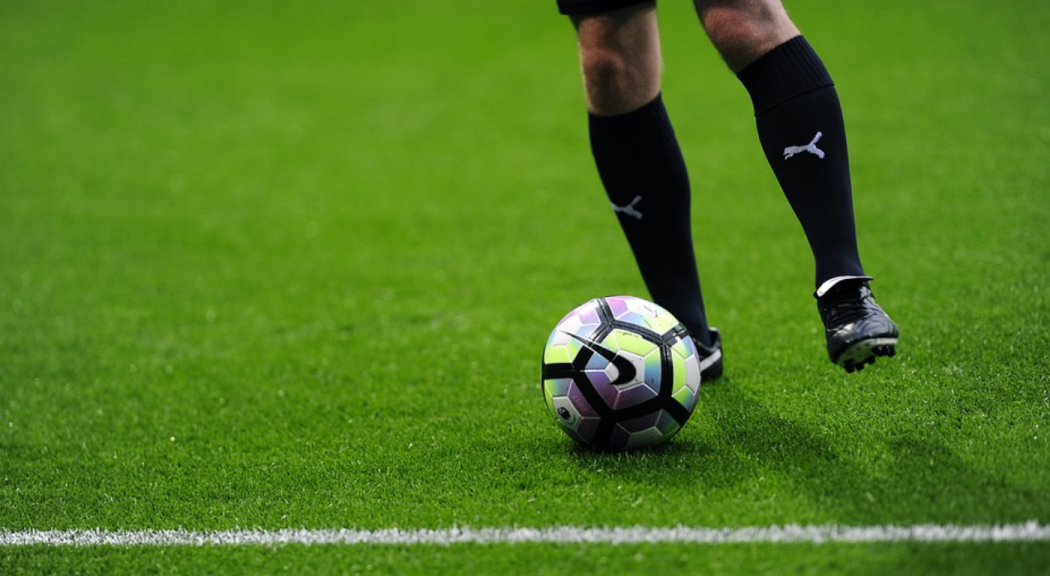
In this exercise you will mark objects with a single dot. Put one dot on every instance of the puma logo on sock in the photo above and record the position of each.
(811, 148)
(629, 209)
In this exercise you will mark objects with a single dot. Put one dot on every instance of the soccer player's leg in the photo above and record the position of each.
(638, 157)
(800, 126)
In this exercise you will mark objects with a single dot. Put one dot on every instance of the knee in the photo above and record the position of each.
(605, 72)
(615, 83)
(744, 30)
(620, 58)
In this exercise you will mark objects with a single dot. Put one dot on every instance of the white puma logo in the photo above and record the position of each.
(629, 209)
(811, 148)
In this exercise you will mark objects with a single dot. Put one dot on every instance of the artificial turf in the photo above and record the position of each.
(278, 265)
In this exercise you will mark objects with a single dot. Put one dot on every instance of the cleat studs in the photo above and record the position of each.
(885, 350)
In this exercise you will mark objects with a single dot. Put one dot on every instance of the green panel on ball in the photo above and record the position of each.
(684, 396)
(558, 386)
(629, 342)
(680, 348)
(664, 322)
(666, 424)
(678, 364)
(557, 354)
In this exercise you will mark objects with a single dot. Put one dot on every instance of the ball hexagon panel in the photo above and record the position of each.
(646, 430)
(686, 373)
(574, 414)
(641, 313)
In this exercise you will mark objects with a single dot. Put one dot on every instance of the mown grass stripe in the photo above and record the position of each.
(1027, 532)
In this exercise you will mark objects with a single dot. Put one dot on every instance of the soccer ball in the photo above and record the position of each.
(620, 373)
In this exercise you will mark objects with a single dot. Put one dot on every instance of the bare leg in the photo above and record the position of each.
(620, 58)
(745, 30)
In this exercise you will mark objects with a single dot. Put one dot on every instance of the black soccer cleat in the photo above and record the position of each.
(710, 357)
(857, 329)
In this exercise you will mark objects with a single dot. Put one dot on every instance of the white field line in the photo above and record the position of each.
(1028, 532)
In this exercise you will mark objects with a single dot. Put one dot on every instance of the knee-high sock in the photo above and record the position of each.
(804, 138)
(645, 177)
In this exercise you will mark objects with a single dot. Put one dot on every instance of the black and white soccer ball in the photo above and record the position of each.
(620, 373)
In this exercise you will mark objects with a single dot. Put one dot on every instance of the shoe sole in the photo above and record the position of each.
(856, 357)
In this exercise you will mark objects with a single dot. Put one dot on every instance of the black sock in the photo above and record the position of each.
(645, 178)
(803, 136)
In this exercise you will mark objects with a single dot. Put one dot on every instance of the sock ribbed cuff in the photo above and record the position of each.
(628, 133)
(785, 72)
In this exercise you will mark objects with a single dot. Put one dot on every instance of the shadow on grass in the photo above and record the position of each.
(757, 455)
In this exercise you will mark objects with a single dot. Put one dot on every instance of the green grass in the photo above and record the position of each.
(670, 560)
(273, 265)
